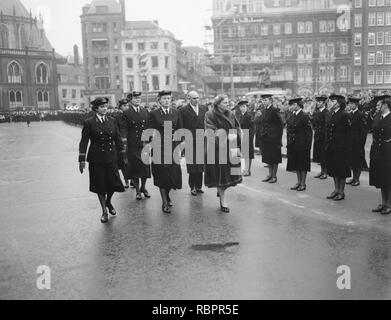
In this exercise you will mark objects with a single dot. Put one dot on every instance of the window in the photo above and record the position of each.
(330, 50)
(154, 46)
(371, 58)
(343, 72)
(371, 77)
(3, 36)
(322, 26)
(42, 74)
(308, 51)
(358, 20)
(73, 94)
(141, 46)
(387, 76)
(288, 50)
(357, 78)
(371, 39)
(372, 19)
(300, 27)
(344, 48)
(331, 26)
(300, 51)
(357, 39)
(357, 58)
(130, 82)
(167, 62)
(264, 30)
(155, 83)
(308, 27)
(15, 99)
(167, 80)
(129, 46)
(14, 72)
(379, 57)
(276, 29)
(380, 38)
(101, 63)
(322, 50)
(388, 57)
(288, 28)
(155, 62)
(129, 63)
(166, 46)
(388, 38)
(380, 19)
(43, 99)
(64, 93)
(358, 3)
(388, 18)
(379, 77)
(277, 51)
(102, 82)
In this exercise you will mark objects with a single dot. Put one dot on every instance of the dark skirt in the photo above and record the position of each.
(319, 152)
(337, 165)
(271, 153)
(221, 176)
(104, 178)
(298, 160)
(167, 176)
(136, 168)
(357, 159)
(380, 174)
(251, 149)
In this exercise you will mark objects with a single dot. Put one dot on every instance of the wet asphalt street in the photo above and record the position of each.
(275, 243)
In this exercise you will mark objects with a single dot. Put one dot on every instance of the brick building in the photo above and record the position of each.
(371, 43)
(300, 46)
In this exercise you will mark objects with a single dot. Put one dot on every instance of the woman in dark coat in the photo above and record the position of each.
(123, 105)
(222, 131)
(103, 134)
(380, 166)
(246, 123)
(357, 140)
(299, 135)
(134, 121)
(167, 176)
(337, 146)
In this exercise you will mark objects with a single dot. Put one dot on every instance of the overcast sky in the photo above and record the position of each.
(185, 18)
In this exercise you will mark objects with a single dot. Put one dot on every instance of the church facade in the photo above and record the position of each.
(28, 63)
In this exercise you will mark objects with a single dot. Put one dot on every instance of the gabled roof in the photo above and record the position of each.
(112, 5)
(8, 6)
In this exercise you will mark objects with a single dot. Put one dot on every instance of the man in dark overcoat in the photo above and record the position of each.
(193, 119)
(319, 125)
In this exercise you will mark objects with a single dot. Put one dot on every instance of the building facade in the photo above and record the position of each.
(300, 46)
(71, 85)
(371, 45)
(28, 63)
(102, 22)
(149, 57)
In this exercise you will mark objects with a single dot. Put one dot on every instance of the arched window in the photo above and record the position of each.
(42, 73)
(4, 37)
(14, 72)
(16, 99)
(43, 99)
(23, 37)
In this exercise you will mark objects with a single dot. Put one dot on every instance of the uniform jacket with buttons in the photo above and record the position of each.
(319, 125)
(132, 126)
(299, 132)
(272, 126)
(358, 131)
(381, 146)
(104, 139)
(337, 132)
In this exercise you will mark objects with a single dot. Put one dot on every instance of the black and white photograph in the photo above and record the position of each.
(183, 150)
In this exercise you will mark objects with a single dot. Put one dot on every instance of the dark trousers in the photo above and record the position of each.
(195, 180)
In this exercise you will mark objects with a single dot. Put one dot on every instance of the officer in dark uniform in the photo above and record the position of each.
(193, 119)
(103, 134)
(299, 135)
(319, 125)
(134, 121)
(357, 139)
(167, 176)
(380, 166)
(123, 105)
(336, 145)
(271, 135)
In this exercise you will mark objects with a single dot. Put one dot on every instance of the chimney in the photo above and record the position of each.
(76, 55)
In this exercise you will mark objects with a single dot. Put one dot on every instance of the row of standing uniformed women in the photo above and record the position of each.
(339, 144)
(118, 143)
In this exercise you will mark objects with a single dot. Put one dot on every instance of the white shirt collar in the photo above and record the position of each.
(354, 111)
(298, 111)
(100, 117)
(165, 111)
(321, 109)
(386, 114)
(335, 111)
(136, 108)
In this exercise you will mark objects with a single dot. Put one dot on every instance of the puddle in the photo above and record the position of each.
(214, 246)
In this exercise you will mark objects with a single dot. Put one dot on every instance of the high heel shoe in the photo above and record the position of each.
(139, 197)
(267, 179)
(339, 197)
(112, 211)
(297, 186)
(273, 180)
(170, 204)
(333, 195)
(104, 218)
(302, 188)
(145, 193)
(223, 208)
(166, 209)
